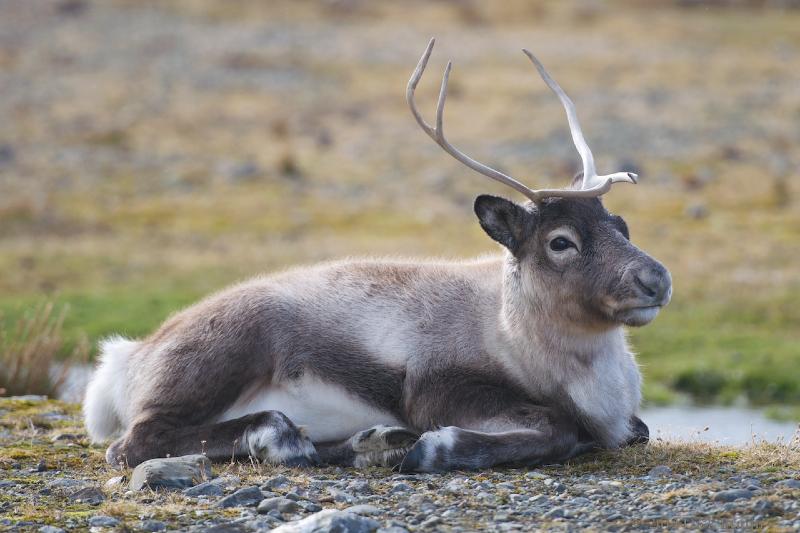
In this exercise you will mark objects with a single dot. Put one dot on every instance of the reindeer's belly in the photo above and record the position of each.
(326, 410)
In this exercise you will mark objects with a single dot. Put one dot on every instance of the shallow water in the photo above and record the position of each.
(726, 425)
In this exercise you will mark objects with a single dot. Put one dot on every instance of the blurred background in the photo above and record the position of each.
(154, 151)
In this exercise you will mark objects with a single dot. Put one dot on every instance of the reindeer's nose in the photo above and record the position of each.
(655, 283)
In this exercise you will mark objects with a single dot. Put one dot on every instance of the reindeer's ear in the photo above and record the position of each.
(503, 220)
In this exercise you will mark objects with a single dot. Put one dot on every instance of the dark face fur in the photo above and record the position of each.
(577, 261)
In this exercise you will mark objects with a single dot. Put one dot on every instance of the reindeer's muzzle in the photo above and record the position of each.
(650, 285)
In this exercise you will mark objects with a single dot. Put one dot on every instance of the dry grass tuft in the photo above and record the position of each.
(29, 350)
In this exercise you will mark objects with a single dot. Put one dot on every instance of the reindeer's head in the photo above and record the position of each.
(570, 255)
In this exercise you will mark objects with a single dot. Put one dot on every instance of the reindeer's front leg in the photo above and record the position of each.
(538, 436)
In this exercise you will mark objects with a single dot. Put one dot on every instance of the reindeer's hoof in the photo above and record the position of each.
(641, 433)
(275, 439)
(382, 438)
(303, 462)
(412, 462)
(381, 445)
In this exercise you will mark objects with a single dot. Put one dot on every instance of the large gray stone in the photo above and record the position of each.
(330, 521)
(171, 472)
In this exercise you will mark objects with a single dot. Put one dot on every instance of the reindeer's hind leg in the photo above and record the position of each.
(377, 446)
(268, 436)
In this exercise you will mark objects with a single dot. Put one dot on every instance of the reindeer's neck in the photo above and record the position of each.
(540, 343)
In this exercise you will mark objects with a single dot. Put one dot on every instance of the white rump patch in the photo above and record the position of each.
(105, 405)
(326, 411)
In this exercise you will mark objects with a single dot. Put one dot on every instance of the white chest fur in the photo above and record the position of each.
(608, 393)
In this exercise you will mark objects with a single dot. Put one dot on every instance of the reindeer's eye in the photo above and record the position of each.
(559, 244)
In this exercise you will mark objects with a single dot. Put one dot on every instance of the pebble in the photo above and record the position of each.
(207, 488)
(660, 471)
(788, 484)
(400, 487)
(275, 482)
(152, 525)
(246, 497)
(103, 521)
(364, 509)
(114, 483)
(280, 504)
(732, 495)
(555, 512)
(90, 495)
(50, 529)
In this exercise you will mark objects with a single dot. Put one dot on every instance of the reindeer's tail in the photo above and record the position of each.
(106, 396)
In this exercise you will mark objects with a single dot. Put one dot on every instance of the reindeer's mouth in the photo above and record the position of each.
(638, 316)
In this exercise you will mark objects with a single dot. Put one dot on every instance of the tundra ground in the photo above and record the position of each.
(46, 459)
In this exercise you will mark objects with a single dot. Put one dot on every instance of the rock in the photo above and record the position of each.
(207, 488)
(275, 482)
(788, 484)
(263, 523)
(311, 507)
(282, 505)
(90, 495)
(340, 495)
(171, 472)
(103, 521)
(66, 483)
(359, 486)
(766, 507)
(400, 487)
(431, 522)
(732, 495)
(392, 529)
(246, 497)
(330, 520)
(152, 525)
(555, 512)
(50, 529)
(536, 475)
(660, 471)
(364, 509)
(610, 485)
(455, 486)
(41, 466)
(114, 483)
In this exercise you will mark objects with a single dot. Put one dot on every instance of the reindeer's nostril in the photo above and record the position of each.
(644, 287)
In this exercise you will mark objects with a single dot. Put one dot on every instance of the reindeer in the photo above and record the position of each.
(427, 365)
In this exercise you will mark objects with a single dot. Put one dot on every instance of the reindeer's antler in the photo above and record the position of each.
(592, 185)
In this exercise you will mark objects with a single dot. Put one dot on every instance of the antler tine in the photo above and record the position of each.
(589, 171)
(591, 181)
(437, 133)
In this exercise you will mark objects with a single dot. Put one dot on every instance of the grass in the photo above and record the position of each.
(120, 201)
(29, 351)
